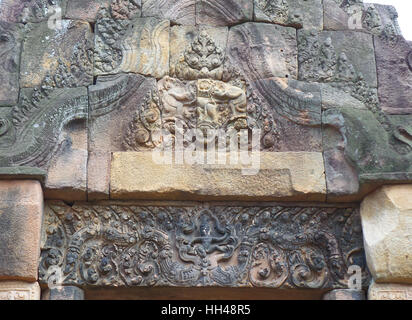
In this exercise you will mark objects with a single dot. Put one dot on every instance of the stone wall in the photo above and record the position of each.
(94, 91)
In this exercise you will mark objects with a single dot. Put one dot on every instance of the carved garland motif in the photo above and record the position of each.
(154, 245)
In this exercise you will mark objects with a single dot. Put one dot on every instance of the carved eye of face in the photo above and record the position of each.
(4, 37)
(4, 126)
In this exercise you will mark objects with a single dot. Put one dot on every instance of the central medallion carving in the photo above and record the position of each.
(201, 59)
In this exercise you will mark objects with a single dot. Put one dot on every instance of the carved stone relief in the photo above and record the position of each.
(139, 45)
(10, 49)
(293, 13)
(200, 245)
(301, 87)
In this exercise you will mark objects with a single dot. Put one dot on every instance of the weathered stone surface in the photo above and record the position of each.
(294, 13)
(337, 17)
(326, 57)
(10, 50)
(31, 130)
(280, 176)
(379, 20)
(21, 210)
(116, 103)
(201, 244)
(223, 12)
(22, 173)
(345, 294)
(63, 293)
(17, 290)
(389, 291)
(296, 108)
(181, 12)
(394, 75)
(57, 58)
(140, 45)
(86, 10)
(98, 175)
(251, 49)
(67, 172)
(31, 11)
(366, 146)
(387, 227)
(190, 57)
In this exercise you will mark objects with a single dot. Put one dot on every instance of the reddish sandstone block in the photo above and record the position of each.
(98, 175)
(21, 209)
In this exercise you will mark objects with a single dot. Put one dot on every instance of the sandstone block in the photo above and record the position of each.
(63, 293)
(296, 106)
(57, 57)
(10, 48)
(85, 10)
(380, 20)
(98, 175)
(15, 290)
(115, 107)
(223, 12)
(387, 228)
(293, 13)
(140, 46)
(67, 172)
(330, 56)
(21, 210)
(31, 11)
(280, 176)
(394, 74)
(344, 294)
(181, 12)
(389, 291)
(182, 41)
(22, 173)
(251, 49)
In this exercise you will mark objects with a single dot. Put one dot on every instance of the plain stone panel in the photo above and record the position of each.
(387, 228)
(98, 175)
(262, 50)
(21, 210)
(280, 176)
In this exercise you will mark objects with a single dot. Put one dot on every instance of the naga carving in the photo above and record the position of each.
(205, 245)
(319, 62)
(29, 133)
